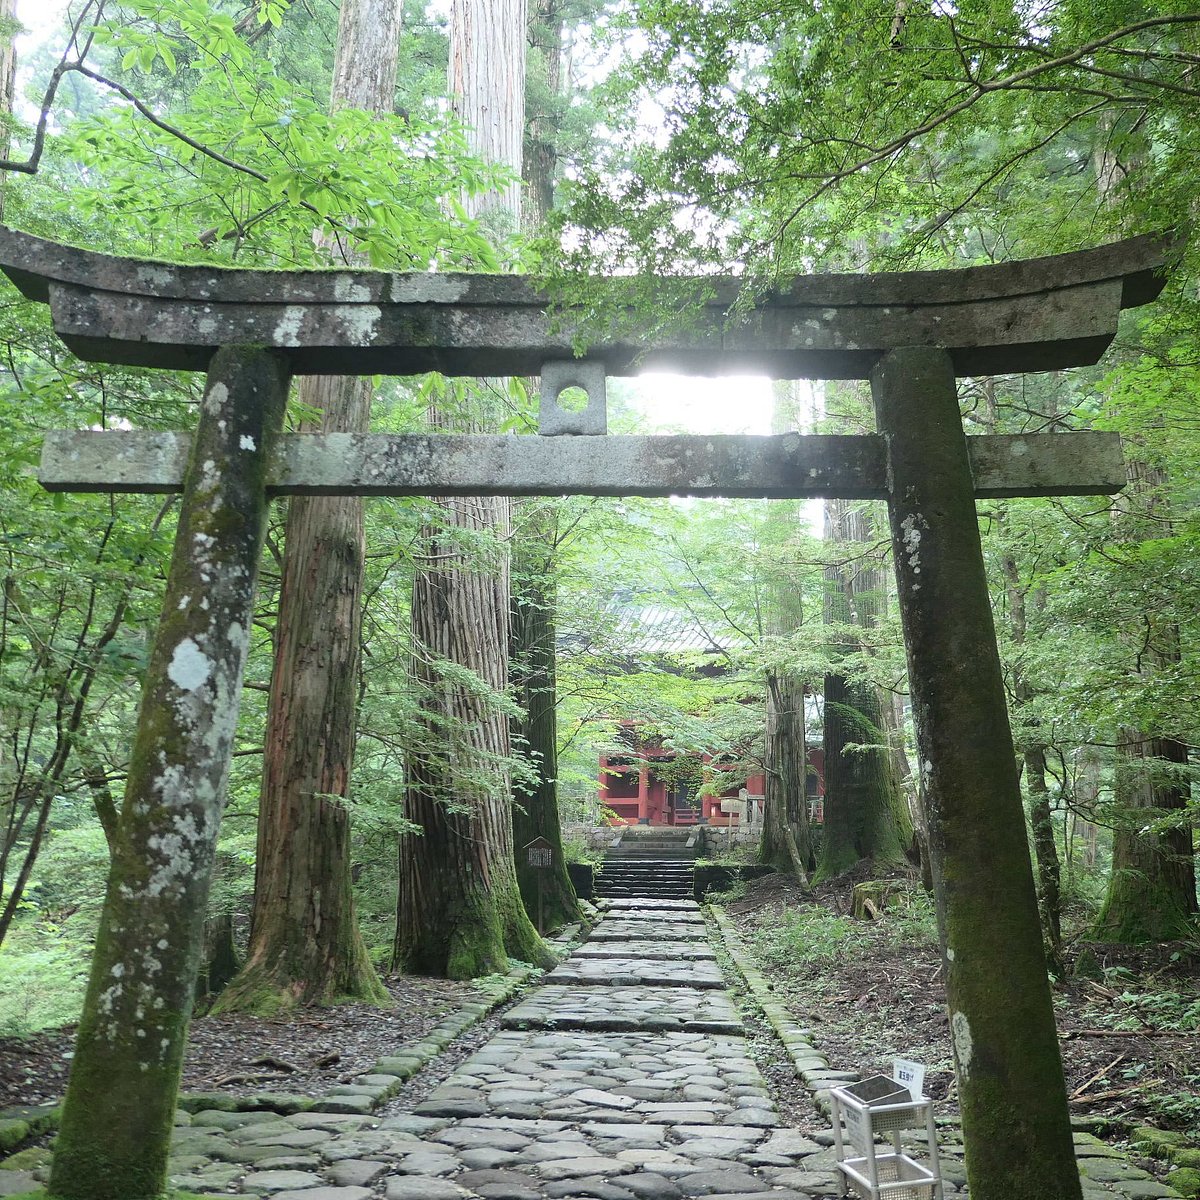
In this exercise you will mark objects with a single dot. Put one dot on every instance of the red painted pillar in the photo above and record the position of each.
(643, 794)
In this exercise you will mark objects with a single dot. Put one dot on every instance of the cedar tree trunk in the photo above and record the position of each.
(865, 812)
(546, 891)
(460, 912)
(305, 947)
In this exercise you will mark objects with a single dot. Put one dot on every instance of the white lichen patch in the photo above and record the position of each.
(246, 442)
(911, 537)
(180, 852)
(108, 998)
(926, 774)
(360, 323)
(155, 278)
(1017, 448)
(190, 667)
(427, 289)
(287, 328)
(216, 398)
(964, 1047)
(347, 291)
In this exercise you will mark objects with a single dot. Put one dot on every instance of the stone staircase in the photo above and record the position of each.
(651, 862)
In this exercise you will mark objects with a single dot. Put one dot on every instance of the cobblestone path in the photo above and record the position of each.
(625, 1076)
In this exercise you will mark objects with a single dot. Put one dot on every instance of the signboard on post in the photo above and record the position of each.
(539, 854)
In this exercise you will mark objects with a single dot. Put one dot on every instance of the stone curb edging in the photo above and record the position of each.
(366, 1093)
(811, 1066)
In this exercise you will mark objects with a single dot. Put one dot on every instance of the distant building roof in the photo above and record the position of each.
(654, 629)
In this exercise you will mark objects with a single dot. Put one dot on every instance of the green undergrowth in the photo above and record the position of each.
(812, 936)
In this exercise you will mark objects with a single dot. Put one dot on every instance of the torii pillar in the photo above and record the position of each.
(1010, 1078)
(909, 333)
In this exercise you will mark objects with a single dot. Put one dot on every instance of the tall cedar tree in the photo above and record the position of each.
(865, 811)
(305, 947)
(786, 837)
(548, 892)
(460, 912)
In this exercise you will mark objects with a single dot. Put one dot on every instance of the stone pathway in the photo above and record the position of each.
(625, 1076)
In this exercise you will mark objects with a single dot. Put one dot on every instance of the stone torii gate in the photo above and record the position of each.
(910, 334)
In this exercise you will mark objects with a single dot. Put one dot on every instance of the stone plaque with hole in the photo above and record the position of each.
(559, 376)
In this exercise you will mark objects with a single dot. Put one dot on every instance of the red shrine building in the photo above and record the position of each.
(632, 791)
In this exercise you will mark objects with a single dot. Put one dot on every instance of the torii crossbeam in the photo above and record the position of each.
(910, 334)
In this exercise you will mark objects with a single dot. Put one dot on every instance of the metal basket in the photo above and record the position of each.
(877, 1105)
(899, 1178)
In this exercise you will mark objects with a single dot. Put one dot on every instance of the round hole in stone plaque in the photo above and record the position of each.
(572, 399)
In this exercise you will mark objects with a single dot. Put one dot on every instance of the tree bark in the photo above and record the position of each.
(786, 841)
(546, 891)
(305, 947)
(866, 815)
(1152, 889)
(460, 912)
(786, 838)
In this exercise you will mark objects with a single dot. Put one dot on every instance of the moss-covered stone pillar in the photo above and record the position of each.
(120, 1104)
(1014, 1103)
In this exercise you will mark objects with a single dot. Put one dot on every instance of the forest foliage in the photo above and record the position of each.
(771, 139)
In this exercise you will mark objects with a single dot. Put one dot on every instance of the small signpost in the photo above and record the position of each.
(539, 854)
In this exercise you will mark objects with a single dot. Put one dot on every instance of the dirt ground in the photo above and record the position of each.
(1123, 1060)
(305, 1054)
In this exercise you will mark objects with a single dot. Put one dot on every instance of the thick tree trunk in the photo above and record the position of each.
(547, 891)
(460, 912)
(866, 815)
(1152, 890)
(487, 88)
(305, 947)
(120, 1105)
(1045, 853)
(786, 840)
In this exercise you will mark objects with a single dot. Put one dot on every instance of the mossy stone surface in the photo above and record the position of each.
(1186, 1181)
(32, 1158)
(13, 1133)
(1158, 1142)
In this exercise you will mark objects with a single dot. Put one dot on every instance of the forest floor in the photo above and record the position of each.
(304, 1053)
(871, 991)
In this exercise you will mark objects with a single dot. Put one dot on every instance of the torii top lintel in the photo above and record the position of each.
(1033, 315)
